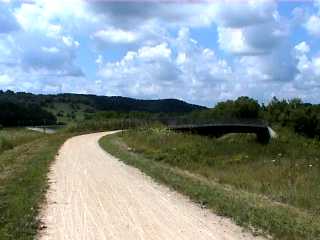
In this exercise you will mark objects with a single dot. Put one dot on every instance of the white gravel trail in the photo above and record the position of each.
(93, 195)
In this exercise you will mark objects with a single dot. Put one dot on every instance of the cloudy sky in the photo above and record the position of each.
(201, 52)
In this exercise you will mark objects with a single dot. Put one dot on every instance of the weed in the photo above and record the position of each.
(272, 187)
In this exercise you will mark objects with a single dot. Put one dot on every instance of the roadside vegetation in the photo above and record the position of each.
(25, 158)
(100, 125)
(10, 138)
(273, 188)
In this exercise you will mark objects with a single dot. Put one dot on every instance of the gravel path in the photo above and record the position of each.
(93, 195)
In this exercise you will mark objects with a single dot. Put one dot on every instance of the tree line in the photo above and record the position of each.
(15, 111)
(22, 109)
(303, 118)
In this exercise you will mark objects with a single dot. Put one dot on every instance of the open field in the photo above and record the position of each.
(23, 180)
(274, 188)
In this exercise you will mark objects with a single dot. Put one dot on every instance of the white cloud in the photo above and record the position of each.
(50, 49)
(233, 40)
(308, 79)
(69, 42)
(113, 35)
(53, 18)
(302, 48)
(250, 27)
(192, 73)
(245, 13)
(148, 59)
(157, 52)
(5, 80)
(313, 25)
(278, 66)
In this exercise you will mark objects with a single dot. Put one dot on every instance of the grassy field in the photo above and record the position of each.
(273, 188)
(24, 162)
(10, 138)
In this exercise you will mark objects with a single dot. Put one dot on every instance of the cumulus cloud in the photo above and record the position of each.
(308, 67)
(42, 46)
(141, 73)
(148, 50)
(233, 40)
(253, 40)
(313, 25)
(302, 48)
(279, 66)
(233, 14)
(156, 71)
(112, 35)
(48, 16)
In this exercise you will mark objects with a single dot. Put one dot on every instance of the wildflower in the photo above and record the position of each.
(310, 165)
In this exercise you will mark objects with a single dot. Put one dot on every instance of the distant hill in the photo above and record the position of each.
(67, 106)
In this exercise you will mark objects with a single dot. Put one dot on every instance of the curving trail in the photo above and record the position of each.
(94, 196)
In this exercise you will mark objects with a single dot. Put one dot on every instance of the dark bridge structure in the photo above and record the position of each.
(222, 127)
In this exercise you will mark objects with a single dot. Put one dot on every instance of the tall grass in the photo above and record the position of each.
(246, 208)
(286, 170)
(12, 137)
(23, 180)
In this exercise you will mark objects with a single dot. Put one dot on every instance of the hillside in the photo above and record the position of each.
(67, 107)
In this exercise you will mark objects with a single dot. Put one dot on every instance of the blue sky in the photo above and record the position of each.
(202, 52)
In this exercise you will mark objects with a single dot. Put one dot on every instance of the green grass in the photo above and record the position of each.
(12, 137)
(273, 188)
(89, 126)
(68, 112)
(23, 181)
(25, 158)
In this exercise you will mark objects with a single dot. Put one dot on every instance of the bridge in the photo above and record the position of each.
(219, 128)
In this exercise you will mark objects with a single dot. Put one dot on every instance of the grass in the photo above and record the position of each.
(273, 188)
(23, 180)
(25, 158)
(103, 125)
(10, 138)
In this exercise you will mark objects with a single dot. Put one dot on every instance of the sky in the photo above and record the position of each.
(202, 52)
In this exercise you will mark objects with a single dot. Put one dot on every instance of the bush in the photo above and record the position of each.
(104, 125)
